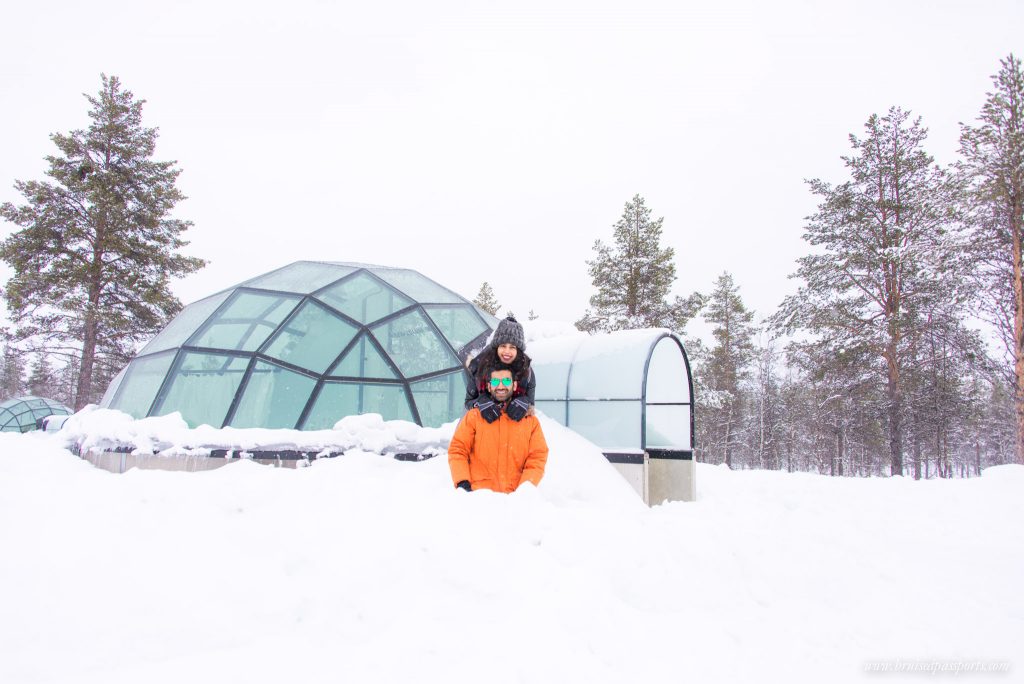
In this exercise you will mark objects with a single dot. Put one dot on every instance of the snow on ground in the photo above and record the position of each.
(366, 569)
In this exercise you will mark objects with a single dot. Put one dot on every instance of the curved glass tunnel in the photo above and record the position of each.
(305, 345)
(630, 393)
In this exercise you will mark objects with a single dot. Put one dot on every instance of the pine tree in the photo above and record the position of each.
(12, 374)
(97, 247)
(993, 160)
(41, 379)
(727, 364)
(633, 277)
(67, 381)
(485, 300)
(766, 413)
(883, 249)
(532, 316)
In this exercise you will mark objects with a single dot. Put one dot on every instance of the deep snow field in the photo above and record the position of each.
(366, 569)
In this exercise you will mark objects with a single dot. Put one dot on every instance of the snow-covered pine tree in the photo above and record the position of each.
(485, 300)
(41, 380)
(633, 277)
(97, 247)
(877, 236)
(993, 160)
(942, 398)
(12, 373)
(726, 367)
(67, 381)
(766, 411)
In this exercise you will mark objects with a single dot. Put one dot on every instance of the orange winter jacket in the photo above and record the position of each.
(499, 455)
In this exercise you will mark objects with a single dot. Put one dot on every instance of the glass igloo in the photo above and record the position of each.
(21, 413)
(304, 346)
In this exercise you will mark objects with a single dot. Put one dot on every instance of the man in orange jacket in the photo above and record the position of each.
(490, 450)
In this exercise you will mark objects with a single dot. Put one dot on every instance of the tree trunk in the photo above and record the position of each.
(760, 426)
(841, 452)
(789, 451)
(895, 395)
(84, 390)
(917, 459)
(1018, 328)
(728, 437)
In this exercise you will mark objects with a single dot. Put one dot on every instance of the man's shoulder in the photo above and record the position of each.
(471, 417)
(531, 421)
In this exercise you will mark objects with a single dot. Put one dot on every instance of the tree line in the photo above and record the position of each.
(875, 365)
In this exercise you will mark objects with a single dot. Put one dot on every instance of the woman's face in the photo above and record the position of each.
(507, 352)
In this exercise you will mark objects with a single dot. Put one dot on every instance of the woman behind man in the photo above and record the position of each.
(507, 346)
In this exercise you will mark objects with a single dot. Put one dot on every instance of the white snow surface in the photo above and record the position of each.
(362, 568)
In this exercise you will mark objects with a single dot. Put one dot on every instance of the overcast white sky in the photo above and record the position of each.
(492, 141)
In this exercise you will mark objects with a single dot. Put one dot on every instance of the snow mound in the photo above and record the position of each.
(576, 471)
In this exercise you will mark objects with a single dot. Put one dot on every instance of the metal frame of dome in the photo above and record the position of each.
(308, 333)
(14, 409)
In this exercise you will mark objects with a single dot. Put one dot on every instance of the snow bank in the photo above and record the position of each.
(363, 568)
(576, 471)
(94, 427)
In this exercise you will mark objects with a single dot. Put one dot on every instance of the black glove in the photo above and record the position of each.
(517, 409)
(488, 409)
(465, 485)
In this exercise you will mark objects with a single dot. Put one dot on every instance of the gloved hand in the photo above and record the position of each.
(517, 408)
(465, 485)
(488, 409)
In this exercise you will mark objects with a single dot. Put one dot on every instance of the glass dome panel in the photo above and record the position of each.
(612, 425)
(414, 345)
(418, 287)
(667, 380)
(54, 408)
(490, 320)
(301, 277)
(340, 399)
(668, 427)
(19, 414)
(312, 338)
(184, 324)
(555, 410)
(141, 382)
(552, 359)
(202, 387)
(246, 322)
(273, 397)
(112, 388)
(364, 360)
(439, 400)
(611, 366)
(363, 298)
(459, 324)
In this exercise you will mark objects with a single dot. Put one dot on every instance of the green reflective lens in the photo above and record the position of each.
(507, 382)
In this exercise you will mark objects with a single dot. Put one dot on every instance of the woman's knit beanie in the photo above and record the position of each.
(509, 331)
